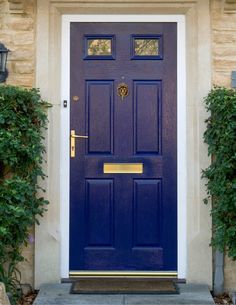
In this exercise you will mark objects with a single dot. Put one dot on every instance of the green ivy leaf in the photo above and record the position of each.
(220, 136)
(23, 120)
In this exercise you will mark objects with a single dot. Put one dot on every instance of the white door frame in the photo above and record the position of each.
(181, 128)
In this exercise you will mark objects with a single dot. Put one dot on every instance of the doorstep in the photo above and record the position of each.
(58, 294)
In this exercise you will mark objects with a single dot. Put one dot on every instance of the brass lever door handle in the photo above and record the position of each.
(73, 136)
(77, 136)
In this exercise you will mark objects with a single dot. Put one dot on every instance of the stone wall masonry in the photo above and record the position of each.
(3, 296)
(223, 62)
(17, 32)
(223, 43)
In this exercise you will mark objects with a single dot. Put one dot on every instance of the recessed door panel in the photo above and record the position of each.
(100, 116)
(147, 114)
(147, 212)
(99, 213)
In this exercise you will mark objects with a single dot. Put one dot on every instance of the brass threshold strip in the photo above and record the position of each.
(169, 274)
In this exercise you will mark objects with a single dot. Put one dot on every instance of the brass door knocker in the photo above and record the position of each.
(123, 90)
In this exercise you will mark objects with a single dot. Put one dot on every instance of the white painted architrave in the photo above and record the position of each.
(181, 128)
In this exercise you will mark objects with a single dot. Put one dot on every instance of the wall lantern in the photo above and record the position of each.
(3, 63)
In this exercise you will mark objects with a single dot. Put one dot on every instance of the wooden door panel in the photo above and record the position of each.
(124, 221)
(147, 212)
(99, 213)
(147, 112)
(100, 116)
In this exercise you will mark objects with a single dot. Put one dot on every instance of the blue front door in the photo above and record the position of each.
(123, 177)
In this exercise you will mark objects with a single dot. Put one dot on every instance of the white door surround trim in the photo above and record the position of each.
(181, 128)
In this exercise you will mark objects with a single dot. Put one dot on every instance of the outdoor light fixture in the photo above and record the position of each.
(3, 63)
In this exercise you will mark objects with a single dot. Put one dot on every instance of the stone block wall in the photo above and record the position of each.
(223, 43)
(17, 32)
(3, 296)
(223, 62)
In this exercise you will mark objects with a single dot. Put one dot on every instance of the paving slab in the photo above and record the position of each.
(58, 294)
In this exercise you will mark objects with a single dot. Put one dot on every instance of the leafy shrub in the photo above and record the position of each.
(220, 136)
(22, 121)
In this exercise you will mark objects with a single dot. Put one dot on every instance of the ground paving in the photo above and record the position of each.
(58, 294)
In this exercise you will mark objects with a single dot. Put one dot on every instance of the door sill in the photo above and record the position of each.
(146, 274)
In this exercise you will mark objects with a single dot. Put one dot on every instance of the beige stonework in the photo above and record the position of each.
(223, 43)
(223, 23)
(19, 21)
(3, 296)
(230, 274)
(17, 32)
(48, 78)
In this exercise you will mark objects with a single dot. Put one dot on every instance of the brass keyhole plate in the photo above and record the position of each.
(123, 90)
(75, 98)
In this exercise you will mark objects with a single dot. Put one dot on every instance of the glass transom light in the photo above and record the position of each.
(146, 47)
(99, 47)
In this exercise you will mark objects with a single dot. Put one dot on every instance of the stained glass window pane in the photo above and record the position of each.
(146, 47)
(99, 47)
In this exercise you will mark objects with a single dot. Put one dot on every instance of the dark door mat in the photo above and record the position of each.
(123, 286)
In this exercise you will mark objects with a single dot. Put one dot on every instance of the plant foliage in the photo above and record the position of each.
(220, 136)
(23, 119)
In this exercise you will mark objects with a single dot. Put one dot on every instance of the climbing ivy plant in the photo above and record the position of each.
(23, 119)
(220, 135)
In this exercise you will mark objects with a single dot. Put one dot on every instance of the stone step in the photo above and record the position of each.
(58, 294)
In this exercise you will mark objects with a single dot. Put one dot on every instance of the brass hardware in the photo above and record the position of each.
(75, 98)
(132, 274)
(76, 136)
(123, 90)
(123, 168)
(73, 136)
